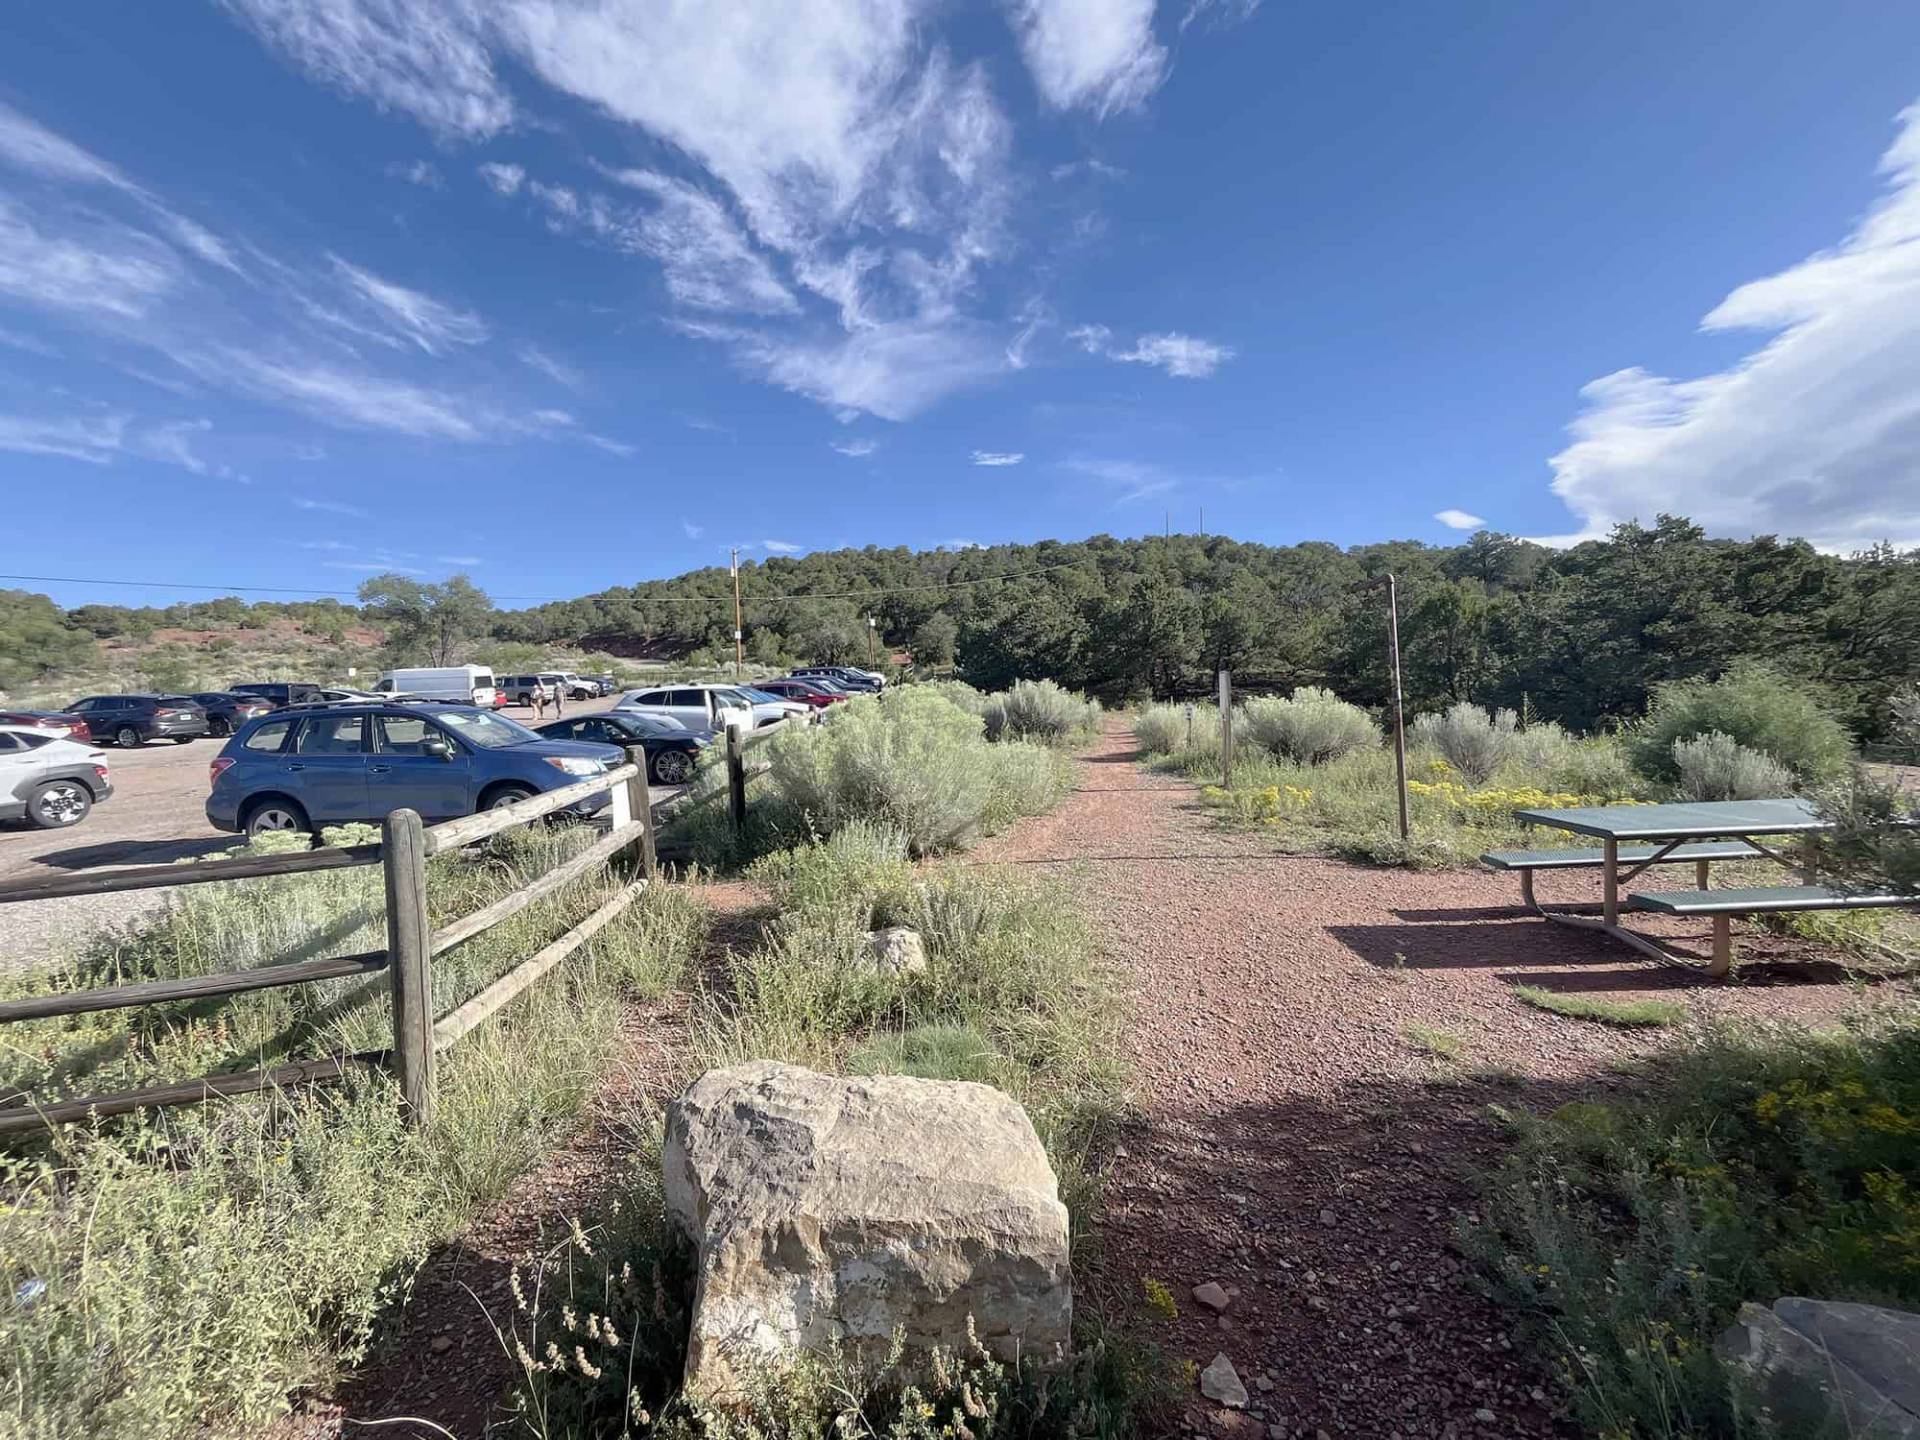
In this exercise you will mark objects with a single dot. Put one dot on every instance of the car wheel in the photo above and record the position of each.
(508, 795)
(217, 727)
(58, 804)
(126, 737)
(266, 816)
(672, 767)
(183, 739)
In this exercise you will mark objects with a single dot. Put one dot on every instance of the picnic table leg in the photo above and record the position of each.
(1700, 873)
(1610, 884)
(1809, 859)
(1722, 946)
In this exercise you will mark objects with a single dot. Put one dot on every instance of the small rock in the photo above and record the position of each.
(1220, 1383)
(440, 1344)
(1327, 1217)
(1484, 1416)
(1212, 1296)
(1263, 1385)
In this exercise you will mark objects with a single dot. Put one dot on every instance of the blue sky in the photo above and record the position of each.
(571, 294)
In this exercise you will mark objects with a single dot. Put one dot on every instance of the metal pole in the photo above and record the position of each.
(1226, 729)
(739, 652)
(869, 642)
(1399, 709)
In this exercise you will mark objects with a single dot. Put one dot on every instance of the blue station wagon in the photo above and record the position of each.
(309, 767)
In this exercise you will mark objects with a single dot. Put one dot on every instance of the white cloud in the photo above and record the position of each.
(425, 59)
(1088, 166)
(855, 449)
(1816, 433)
(709, 264)
(694, 532)
(27, 145)
(374, 567)
(94, 439)
(996, 458)
(1097, 55)
(892, 371)
(326, 507)
(427, 322)
(504, 179)
(1184, 356)
(1132, 479)
(1458, 519)
(556, 370)
(31, 344)
(417, 172)
(1218, 14)
(458, 559)
(344, 397)
(98, 266)
(783, 547)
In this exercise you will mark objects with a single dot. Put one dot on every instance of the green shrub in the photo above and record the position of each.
(1875, 841)
(848, 871)
(1038, 710)
(1756, 706)
(1598, 766)
(969, 699)
(1309, 727)
(1765, 1161)
(1473, 741)
(1160, 729)
(1718, 767)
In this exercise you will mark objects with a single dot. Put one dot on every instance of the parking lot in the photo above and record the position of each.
(155, 817)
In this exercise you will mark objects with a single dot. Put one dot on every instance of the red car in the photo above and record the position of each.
(58, 722)
(804, 691)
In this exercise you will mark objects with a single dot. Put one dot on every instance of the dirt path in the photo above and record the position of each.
(1293, 1144)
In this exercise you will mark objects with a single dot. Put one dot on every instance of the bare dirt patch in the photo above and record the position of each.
(1316, 1044)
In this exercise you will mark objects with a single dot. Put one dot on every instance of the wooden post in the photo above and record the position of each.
(1226, 729)
(403, 854)
(736, 782)
(1701, 875)
(640, 802)
(1610, 882)
(1399, 709)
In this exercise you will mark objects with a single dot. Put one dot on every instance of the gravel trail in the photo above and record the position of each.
(1292, 1144)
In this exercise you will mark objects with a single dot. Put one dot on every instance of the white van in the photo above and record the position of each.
(461, 684)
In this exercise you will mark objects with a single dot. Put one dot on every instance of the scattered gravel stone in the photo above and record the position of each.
(1212, 1296)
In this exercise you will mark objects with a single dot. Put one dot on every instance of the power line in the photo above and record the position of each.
(750, 598)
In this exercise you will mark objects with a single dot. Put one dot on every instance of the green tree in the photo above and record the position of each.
(36, 640)
(934, 641)
(427, 624)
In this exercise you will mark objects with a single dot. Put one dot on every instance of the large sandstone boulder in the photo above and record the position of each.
(1860, 1364)
(831, 1212)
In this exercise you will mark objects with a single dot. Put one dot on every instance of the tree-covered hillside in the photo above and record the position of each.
(1580, 635)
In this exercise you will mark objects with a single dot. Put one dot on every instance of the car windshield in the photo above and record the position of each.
(488, 731)
(654, 724)
(762, 697)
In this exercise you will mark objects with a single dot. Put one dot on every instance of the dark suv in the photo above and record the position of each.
(333, 764)
(129, 720)
(280, 693)
(227, 712)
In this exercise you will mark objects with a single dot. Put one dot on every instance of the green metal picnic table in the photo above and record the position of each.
(1670, 827)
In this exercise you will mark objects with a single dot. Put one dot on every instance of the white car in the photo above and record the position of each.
(772, 709)
(698, 707)
(49, 783)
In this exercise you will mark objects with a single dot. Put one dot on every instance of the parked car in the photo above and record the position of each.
(673, 751)
(335, 764)
(606, 683)
(130, 720)
(56, 723)
(844, 675)
(459, 684)
(279, 693)
(770, 709)
(48, 781)
(807, 692)
(579, 687)
(227, 711)
(698, 707)
(520, 689)
(333, 694)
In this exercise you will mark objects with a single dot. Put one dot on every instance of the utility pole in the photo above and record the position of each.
(1392, 587)
(739, 650)
(870, 629)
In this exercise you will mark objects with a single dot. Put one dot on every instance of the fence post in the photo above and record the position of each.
(641, 804)
(1226, 729)
(403, 855)
(736, 782)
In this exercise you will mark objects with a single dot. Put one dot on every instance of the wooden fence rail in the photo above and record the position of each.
(411, 945)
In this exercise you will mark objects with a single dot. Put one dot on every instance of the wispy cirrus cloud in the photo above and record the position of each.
(994, 459)
(858, 449)
(1816, 432)
(1096, 55)
(104, 438)
(782, 547)
(1131, 480)
(1458, 519)
(423, 173)
(426, 322)
(558, 371)
(91, 265)
(1185, 357)
(326, 507)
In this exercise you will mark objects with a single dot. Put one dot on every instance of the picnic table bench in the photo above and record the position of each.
(1702, 832)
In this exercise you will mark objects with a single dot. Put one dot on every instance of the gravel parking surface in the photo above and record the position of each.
(154, 817)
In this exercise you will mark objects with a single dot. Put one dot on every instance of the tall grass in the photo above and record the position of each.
(199, 1263)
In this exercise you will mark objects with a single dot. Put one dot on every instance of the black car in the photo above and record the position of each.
(226, 711)
(279, 693)
(673, 751)
(129, 720)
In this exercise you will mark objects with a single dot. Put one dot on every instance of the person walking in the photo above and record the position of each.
(539, 698)
(559, 694)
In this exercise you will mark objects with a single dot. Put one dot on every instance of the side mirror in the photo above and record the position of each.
(437, 747)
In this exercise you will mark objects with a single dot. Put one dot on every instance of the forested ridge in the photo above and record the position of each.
(1581, 635)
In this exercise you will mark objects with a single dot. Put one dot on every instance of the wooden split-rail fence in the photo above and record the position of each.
(412, 941)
